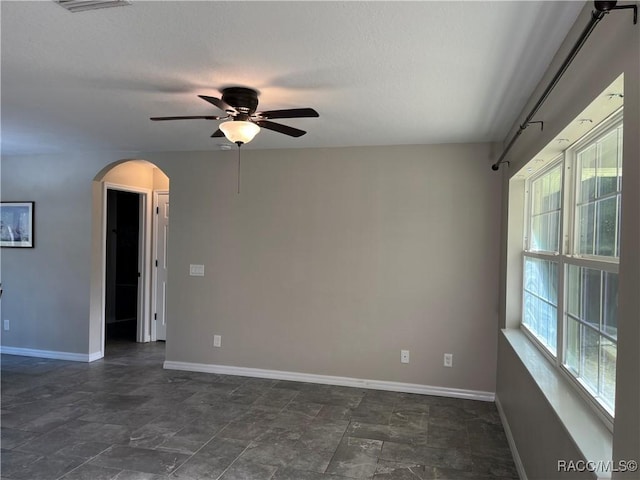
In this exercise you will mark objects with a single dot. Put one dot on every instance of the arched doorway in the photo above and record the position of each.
(128, 279)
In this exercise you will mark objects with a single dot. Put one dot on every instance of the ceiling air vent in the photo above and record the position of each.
(84, 5)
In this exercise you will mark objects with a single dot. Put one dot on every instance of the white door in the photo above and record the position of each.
(162, 236)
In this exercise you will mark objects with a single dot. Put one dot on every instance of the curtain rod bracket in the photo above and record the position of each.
(601, 9)
(607, 6)
(541, 124)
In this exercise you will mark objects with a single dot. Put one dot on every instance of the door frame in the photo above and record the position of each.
(144, 261)
(154, 270)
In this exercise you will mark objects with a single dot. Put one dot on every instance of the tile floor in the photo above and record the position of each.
(126, 418)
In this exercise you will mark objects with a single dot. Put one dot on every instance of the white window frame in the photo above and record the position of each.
(567, 255)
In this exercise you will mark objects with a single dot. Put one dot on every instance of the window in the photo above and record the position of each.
(570, 261)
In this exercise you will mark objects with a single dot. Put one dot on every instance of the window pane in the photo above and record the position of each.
(591, 322)
(591, 296)
(610, 305)
(589, 358)
(586, 230)
(545, 218)
(573, 290)
(554, 187)
(598, 202)
(608, 164)
(553, 238)
(620, 157)
(587, 162)
(540, 300)
(608, 355)
(619, 223)
(572, 348)
(607, 227)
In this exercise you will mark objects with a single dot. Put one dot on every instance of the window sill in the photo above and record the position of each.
(585, 428)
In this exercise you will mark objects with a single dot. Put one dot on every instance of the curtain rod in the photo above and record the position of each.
(601, 9)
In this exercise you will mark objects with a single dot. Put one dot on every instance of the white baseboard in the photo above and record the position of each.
(512, 443)
(95, 356)
(331, 380)
(32, 352)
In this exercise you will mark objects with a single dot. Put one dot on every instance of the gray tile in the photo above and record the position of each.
(388, 433)
(311, 458)
(11, 438)
(245, 430)
(450, 411)
(293, 474)
(53, 418)
(16, 464)
(92, 472)
(409, 418)
(294, 421)
(24, 466)
(429, 456)
(212, 460)
(85, 450)
(153, 434)
(129, 475)
(140, 459)
(402, 471)
(337, 412)
(377, 413)
(278, 398)
(75, 433)
(502, 467)
(309, 409)
(245, 470)
(487, 439)
(442, 437)
(355, 458)
(191, 438)
(127, 402)
(275, 447)
(450, 423)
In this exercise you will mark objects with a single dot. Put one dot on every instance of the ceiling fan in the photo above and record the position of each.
(243, 122)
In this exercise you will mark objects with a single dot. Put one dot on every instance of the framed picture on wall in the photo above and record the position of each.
(16, 224)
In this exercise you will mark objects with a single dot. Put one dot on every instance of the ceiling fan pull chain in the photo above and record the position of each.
(239, 168)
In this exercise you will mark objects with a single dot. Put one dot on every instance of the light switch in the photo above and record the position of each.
(196, 270)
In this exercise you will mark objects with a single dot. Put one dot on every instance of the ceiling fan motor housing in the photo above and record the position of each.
(244, 100)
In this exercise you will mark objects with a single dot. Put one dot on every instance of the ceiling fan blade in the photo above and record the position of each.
(278, 127)
(208, 117)
(217, 134)
(218, 103)
(289, 113)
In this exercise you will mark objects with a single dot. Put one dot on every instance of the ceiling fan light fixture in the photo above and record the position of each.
(239, 131)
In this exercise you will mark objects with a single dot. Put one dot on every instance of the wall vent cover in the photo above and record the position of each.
(84, 5)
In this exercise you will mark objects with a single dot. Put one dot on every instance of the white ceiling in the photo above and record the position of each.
(379, 73)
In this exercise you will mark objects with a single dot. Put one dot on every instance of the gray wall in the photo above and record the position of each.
(329, 261)
(613, 48)
(46, 289)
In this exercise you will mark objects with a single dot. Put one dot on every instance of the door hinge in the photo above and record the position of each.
(157, 210)
(156, 262)
(155, 316)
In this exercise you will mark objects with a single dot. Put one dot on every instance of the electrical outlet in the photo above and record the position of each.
(217, 341)
(448, 359)
(6, 324)
(404, 356)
